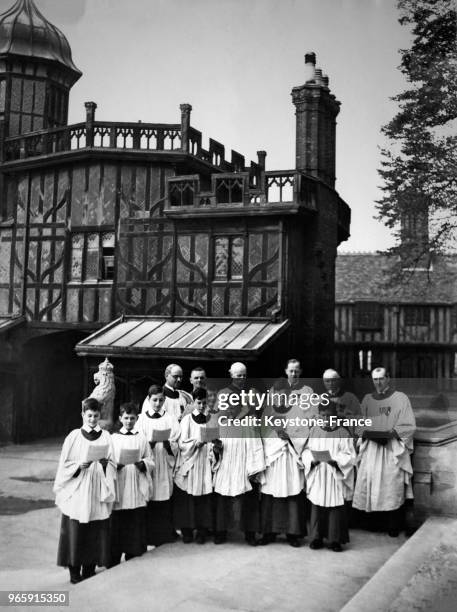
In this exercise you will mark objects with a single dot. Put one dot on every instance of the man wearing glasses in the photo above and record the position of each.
(175, 400)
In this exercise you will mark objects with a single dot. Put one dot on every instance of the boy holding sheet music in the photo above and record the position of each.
(329, 459)
(161, 430)
(85, 492)
(192, 498)
(133, 488)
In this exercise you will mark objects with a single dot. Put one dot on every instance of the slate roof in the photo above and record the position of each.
(365, 276)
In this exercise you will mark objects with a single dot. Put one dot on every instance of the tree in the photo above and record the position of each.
(419, 168)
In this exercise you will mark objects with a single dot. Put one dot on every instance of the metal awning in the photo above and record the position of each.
(139, 337)
(7, 323)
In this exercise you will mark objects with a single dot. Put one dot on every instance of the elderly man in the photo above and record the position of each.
(241, 459)
(175, 400)
(385, 470)
(346, 403)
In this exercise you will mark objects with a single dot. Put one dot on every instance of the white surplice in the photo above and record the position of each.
(384, 472)
(194, 473)
(283, 475)
(133, 488)
(327, 485)
(90, 495)
(162, 474)
(240, 459)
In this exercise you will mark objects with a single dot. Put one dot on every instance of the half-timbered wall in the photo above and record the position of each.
(412, 340)
(403, 323)
(184, 270)
(88, 242)
(31, 278)
(59, 225)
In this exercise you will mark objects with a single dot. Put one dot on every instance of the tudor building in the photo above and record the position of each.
(134, 241)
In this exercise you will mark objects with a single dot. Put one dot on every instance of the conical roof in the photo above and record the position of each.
(24, 31)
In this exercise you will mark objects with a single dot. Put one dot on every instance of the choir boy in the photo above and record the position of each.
(133, 488)
(85, 492)
(192, 498)
(328, 457)
(161, 429)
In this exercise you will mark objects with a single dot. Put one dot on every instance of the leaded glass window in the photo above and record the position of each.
(228, 258)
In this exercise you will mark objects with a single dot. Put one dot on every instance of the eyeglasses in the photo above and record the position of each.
(176, 375)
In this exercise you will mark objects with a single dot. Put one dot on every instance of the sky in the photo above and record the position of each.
(236, 62)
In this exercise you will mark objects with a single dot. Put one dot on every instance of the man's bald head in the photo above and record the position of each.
(329, 374)
(238, 370)
(238, 374)
(332, 381)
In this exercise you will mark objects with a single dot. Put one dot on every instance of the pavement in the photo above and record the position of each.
(230, 577)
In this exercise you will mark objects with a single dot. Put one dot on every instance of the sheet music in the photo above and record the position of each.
(95, 452)
(129, 455)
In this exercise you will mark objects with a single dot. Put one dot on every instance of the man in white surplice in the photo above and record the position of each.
(242, 458)
(385, 470)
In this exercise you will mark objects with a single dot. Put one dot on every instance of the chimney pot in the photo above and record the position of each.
(310, 58)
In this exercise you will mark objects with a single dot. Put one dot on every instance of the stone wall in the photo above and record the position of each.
(435, 473)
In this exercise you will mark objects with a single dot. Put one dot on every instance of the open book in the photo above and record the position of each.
(372, 434)
(208, 434)
(160, 435)
(322, 455)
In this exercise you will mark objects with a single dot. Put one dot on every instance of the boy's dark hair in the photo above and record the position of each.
(199, 394)
(128, 408)
(155, 390)
(90, 403)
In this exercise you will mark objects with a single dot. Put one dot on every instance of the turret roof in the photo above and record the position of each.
(25, 32)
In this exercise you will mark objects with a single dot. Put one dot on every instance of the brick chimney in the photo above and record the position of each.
(316, 112)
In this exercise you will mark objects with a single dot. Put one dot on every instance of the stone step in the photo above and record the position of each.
(415, 577)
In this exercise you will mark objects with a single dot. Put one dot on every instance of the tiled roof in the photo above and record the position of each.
(365, 276)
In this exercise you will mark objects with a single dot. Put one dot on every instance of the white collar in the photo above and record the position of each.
(124, 431)
(97, 428)
(150, 411)
(195, 412)
(171, 388)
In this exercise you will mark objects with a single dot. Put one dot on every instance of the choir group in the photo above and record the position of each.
(172, 468)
